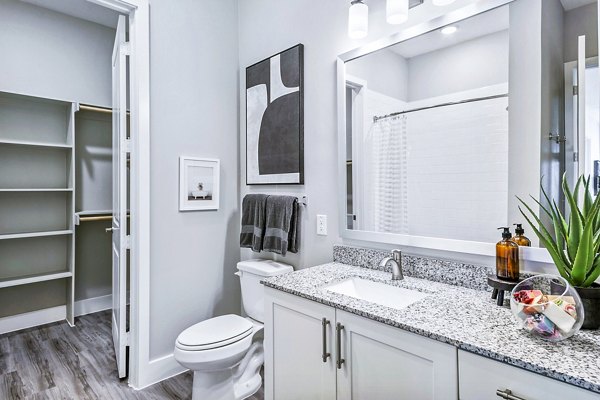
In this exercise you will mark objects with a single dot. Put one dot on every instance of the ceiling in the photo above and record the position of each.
(571, 4)
(81, 9)
(480, 25)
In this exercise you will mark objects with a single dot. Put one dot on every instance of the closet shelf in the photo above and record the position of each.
(34, 234)
(27, 279)
(35, 190)
(37, 144)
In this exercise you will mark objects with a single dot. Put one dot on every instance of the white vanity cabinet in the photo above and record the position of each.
(349, 357)
(295, 331)
(382, 362)
(485, 379)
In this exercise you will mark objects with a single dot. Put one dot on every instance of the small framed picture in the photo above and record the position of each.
(198, 184)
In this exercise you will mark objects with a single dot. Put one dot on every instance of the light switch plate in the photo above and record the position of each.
(322, 225)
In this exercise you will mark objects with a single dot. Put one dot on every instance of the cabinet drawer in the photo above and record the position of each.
(480, 377)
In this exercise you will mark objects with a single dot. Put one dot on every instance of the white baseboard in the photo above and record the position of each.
(33, 318)
(159, 370)
(53, 314)
(93, 305)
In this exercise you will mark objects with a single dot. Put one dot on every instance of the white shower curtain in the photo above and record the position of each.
(386, 183)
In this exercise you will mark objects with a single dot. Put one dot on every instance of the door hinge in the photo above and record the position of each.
(126, 338)
(575, 157)
(127, 145)
(127, 242)
(125, 48)
(575, 90)
(557, 138)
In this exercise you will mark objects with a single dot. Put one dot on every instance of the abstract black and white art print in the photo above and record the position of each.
(275, 119)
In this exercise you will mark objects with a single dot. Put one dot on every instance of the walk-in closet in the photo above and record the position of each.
(56, 168)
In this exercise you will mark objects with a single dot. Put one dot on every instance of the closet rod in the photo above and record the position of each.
(105, 110)
(98, 218)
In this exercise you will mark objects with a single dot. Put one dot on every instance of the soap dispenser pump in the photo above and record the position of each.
(520, 238)
(507, 257)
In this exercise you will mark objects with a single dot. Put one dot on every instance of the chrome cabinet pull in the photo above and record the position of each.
(507, 394)
(338, 332)
(325, 354)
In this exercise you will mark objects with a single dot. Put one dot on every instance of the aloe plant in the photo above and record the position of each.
(574, 245)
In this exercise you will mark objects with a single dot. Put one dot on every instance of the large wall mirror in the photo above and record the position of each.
(443, 125)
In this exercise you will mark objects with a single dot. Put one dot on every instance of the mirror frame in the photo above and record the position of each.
(535, 254)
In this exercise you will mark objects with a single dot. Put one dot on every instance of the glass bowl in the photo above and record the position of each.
(548, 307)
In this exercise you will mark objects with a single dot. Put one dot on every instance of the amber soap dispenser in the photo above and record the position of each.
(520, 237)
(507, 257)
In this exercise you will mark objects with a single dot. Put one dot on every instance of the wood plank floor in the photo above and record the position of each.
(56, 361)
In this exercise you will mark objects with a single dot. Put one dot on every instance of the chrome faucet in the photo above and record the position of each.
(395, 261)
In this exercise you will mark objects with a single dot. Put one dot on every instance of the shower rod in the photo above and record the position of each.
(497, 96)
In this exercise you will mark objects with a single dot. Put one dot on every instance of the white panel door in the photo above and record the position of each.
(379, 362)
(581, 89)
(298, 348)
(119, 221)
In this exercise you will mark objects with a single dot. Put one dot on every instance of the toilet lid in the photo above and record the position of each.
(215, 332)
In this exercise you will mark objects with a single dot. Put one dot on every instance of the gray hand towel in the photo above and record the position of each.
(281, 225)
(253, 221)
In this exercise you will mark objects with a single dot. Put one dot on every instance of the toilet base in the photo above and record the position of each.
(235, 383)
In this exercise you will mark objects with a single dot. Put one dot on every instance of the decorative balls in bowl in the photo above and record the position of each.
(552, 312)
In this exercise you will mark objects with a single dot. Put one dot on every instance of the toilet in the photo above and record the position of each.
(226, 352)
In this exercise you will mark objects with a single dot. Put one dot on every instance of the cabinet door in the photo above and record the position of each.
(294, 362)
(481, 377)
(381, 362)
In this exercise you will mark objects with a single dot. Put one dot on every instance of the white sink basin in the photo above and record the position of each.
(376, 292)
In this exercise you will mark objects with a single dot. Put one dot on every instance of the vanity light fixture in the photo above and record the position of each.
(442, 3)
(449, 30)
(396, 11)
(358, 20)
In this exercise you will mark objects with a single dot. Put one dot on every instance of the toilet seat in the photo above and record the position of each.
(214, 333)
(214, 359)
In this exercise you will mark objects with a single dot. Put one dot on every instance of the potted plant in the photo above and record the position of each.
(573, 242)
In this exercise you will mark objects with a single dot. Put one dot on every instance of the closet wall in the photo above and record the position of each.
(52, 55)
(93, 180)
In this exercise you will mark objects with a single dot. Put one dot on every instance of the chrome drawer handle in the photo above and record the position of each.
(325, 355)
(507, 394)
(338, 331)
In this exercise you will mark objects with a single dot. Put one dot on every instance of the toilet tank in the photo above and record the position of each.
(251, 272)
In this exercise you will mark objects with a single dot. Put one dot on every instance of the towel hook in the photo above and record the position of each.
(303, 201)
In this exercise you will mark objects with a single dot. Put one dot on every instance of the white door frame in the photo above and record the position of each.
(358, 139)
(138, 12)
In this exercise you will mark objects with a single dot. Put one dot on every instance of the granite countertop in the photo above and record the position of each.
(466, 318)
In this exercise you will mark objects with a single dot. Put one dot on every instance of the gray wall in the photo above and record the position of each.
(93, 180)
(553, 104)
(324, 35)
(385, 71)
(581, 21)
(469, 65)
(525, 104)
(194, 64)
(48, 54)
